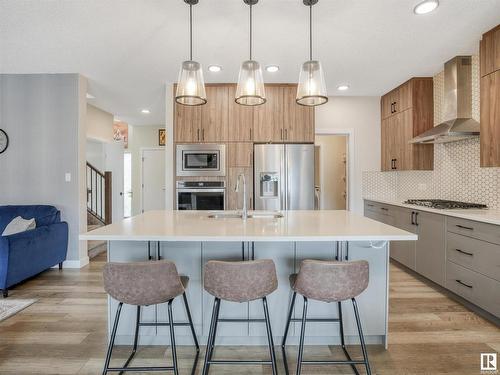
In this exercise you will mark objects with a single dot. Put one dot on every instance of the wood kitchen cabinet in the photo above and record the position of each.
(205, 123)
(278, 120)
(406, 112)
(214, 115)
(240, 127)
(489, 51)
(490, 98)
(268, 118)
(240, 154)
(298, 123)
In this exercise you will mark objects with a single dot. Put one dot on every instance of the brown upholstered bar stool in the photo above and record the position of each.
(329, 281)
(239, 282)
(143, 284)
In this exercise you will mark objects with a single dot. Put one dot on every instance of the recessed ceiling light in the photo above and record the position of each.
(214, 68)
(426, 6)
(343, 87)
(272, 68)
(146, 111)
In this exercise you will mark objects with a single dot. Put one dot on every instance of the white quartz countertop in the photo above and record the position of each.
(491, 216)
(307, 226)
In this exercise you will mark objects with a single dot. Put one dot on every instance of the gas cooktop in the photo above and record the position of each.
(444, 204)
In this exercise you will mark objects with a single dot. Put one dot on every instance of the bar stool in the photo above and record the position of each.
(328, 281)
(143, 284)
(239, 282)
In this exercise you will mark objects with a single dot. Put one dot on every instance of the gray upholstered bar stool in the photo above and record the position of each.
(143, 284)
(329, 281)
(239, 282)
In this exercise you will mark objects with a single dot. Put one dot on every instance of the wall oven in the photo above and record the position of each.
(201, 160)
(200, 195)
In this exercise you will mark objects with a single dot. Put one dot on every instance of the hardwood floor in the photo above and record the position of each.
(65, 332)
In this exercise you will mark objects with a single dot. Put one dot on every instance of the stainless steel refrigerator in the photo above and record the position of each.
(284, 176)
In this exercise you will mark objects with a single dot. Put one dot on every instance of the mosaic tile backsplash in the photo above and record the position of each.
(456, 175)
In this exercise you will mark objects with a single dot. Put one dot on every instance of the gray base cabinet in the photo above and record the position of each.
(460, 255)
(430, 247)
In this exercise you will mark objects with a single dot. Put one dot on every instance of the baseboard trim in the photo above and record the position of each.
(74, 263)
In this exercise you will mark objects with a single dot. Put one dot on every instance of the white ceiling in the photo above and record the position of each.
(129, 48)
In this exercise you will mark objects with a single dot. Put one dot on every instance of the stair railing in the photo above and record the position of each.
(99, 194)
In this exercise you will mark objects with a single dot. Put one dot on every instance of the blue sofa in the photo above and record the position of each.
(26, 254)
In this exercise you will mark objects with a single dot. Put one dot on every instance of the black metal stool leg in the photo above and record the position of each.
(172, 337)
(112, 339)
(287, 327)
(136, 338)
(361, 337)
(342, 338)
(302, 335)
(209, 341)
(190, 319)
(270, 336)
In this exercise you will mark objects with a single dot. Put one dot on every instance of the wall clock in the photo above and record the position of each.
(4, 141)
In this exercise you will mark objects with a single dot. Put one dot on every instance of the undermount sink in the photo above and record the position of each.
(253, 214)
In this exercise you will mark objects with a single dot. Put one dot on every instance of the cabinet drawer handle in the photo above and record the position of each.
(464, 284)
(463, 227)
(383, 208)
(465, 252)
(198, 131)
(281, 134)
(370, 205)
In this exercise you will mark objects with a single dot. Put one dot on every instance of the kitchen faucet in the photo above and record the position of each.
(237, 189)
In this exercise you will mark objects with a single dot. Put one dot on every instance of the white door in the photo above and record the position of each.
(114, 163)
(153, 179)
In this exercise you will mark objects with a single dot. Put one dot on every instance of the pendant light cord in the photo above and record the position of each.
(310, 33)
(190, 32)
(250, 31)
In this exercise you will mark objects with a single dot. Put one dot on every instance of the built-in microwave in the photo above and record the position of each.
(201, 160)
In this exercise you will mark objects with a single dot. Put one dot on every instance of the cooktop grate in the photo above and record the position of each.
(445, 204)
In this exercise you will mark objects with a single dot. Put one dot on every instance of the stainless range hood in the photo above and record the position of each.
(458, 123)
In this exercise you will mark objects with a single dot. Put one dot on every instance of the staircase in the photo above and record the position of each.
(99, 206)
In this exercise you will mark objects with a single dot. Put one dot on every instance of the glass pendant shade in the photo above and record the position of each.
(311, 90)
(191, 86)
(250, 90)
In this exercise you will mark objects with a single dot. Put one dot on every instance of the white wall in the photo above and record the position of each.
(95, 154)
(44, 116)
(99, 124)
(361, 117)
(140, 137)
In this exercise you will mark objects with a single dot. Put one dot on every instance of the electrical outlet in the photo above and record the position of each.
(67, 177)
(422, 187)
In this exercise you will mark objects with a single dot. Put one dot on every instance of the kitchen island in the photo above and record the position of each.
(191, 238)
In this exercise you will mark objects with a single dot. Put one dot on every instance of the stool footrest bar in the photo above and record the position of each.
(236, 362)
(316, 320)
(142, 369)
(339, 362)
(162, 324)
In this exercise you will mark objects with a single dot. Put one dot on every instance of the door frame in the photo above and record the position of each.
(350, 157)
(142, 149)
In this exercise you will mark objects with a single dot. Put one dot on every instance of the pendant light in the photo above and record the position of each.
(311, 90)
(250, 90)
(190, 86)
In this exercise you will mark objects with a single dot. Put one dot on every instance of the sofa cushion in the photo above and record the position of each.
(19, 225)
(45, 212)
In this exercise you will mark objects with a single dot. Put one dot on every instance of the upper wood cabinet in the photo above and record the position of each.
(407, 111)
(490, 98)
(268, 118)
(240, 127)
(489, 51)
(298, 125)
(490, 120)
(214, 115)
(280, 119)
(205, 123)
(187, 123)
(240, 154)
